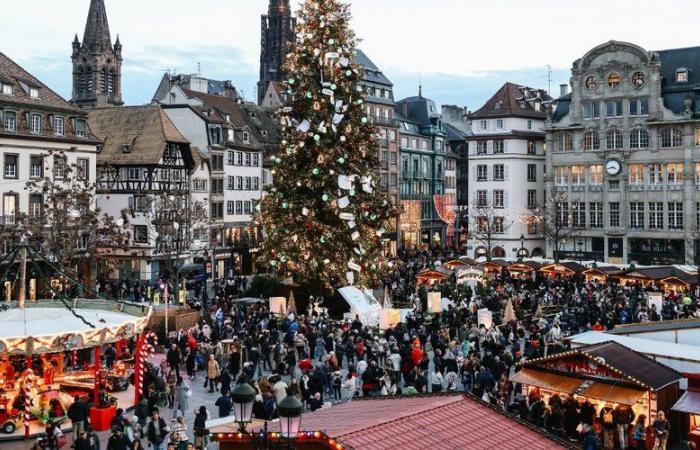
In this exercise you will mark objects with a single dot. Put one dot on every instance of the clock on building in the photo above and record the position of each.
(613, 167)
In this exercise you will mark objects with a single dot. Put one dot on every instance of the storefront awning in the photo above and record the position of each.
(547, 380)
(612, 393)
(688, 403)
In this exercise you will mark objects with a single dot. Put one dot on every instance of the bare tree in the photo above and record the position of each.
(555, 220)
(486, 224)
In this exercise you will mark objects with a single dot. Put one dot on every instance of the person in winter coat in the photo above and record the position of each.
(118, 441)
(213, 372)
(157, 431)
(200, 431)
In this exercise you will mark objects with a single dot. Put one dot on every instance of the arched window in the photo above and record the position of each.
(480, 251)
(613, 139)
(537, 252)
(564, 142)
(614, 80)
(591, 140)
(498, 252)
(639, 138)
(671, 137)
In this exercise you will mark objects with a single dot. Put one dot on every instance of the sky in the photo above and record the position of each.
(461, 51)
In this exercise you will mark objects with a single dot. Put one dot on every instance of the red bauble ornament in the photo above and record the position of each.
(309, 226)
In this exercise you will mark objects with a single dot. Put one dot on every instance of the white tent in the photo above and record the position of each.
(362, 304)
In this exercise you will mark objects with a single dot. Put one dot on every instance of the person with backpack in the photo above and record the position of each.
(607, 418)
(337, 383)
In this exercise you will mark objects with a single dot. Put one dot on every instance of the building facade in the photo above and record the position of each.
(624, 156)
(276, 34)
(457, 129)
(97, 64)
(422, 170)
(507, 161)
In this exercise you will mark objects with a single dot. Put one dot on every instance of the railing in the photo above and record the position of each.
(8, 220)
(384, 121)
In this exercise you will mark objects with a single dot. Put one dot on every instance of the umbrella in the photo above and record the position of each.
(305, 364)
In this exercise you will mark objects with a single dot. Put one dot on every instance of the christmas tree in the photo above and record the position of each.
(324, 215)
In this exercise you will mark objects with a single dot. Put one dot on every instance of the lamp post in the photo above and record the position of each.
(242, 397)
(290, 410)
(580, 251)
(522, 247)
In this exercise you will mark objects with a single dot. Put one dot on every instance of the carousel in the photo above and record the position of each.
(53, 351)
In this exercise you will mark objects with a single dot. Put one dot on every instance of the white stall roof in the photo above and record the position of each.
(645, 346)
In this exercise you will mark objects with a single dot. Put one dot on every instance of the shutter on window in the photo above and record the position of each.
(505, 171)
(131, 202)
(506, 204)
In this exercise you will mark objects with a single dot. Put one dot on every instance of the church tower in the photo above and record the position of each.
(97, 64)
(276, 34)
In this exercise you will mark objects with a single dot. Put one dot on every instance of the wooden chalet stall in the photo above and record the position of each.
(606, 373)
(562, 269)
(689, 407)
(455, 264)
(494, 267)
(523, 269)
(669, 278)
(431, 276)
(601, 274)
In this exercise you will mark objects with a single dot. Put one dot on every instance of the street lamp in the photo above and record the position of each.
(290, 409)
(243, 396)
(522, 247)
(580, 251)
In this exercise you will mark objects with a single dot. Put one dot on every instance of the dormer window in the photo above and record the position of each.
(58, 126)
(7, 89)
(522, 103)
(230, 134)
(499, 105)
(33, 92)
(126, 148)
(35, 123)
(538, 105)
(246, 137)
(682, 75)
(81, 128)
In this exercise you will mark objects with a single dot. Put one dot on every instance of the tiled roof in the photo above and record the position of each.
(146, 129)
(434, 422)
(372, 72)
(506, 102)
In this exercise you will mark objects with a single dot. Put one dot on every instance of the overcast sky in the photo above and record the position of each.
(463, 50)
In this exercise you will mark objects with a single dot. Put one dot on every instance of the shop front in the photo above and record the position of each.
(609, 376)
(689, 406)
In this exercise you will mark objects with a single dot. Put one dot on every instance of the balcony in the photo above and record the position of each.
(636, 187)
(674, 186)
(8, 220)
(578, 187)
(384, 121)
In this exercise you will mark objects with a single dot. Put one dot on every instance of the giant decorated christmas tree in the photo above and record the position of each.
(324, 215)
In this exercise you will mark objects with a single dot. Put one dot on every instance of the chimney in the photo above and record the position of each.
(404, 108)
(563, 89)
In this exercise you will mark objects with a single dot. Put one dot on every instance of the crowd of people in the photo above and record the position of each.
(324, 362)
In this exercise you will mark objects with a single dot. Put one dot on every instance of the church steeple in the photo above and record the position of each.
(96, 63)
(276, 34)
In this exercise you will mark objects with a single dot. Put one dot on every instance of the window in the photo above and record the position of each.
(217, 210)
(229, 207)
(481, 198)
(681, 75)
(230, 135)
(595, 174)
(614, 80)
(83, 168)
(596, 214)
(404, 142)
(36, 166)
(139, 203)
(671, 137)
(531, 148)
(481, 147)
(675, 215)
(656, 215)
(498, 199)
(591, 140)
(482, 224)
(10, 121)
(7, 89)
(697, 174)
(9, 203)
(239, 207)
(140, 234)
(639, 138)
(35, 123)
(35, 205)
(33, 92)
(578, 218)
(239, 183)
(230, 183)
(613, 108)
(59, 166)
(256, 160)
(499, 124)
(81, 128)
(674, 174)
(246, 137)
(656, 174)
(484, 124)
(11, 165)
(564, 142)
(134, 173)
(636, 172)
(248, 159)
(531, 198)
(531, 226)
(498, 225)
(613, 139)
(481, 172)
(217, 162)
(637, 215)
(529, 124)
(239, 158)
(561, 210)
(590, 109)
(126, 148)
(246, 207)
(59, 128)
(498, 147)
(561, 176)
(614, 212)
(532, 172)
(498, 172)
(217, 185)
(578, 175)
(248, 183)
(614, 185)
(256, 182)
(639, 107)
(230, 158)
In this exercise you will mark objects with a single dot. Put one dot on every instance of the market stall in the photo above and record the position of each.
(494, 266)
(432, 276)
(524, 270)
(561, 270)
(601, 274)
(608, 375)
(689, 406)
(455, 264)
(50, 354)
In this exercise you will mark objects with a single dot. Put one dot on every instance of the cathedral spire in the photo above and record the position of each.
(276, 34)
(96, 36)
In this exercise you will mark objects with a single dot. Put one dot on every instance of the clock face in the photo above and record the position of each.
(613, 167)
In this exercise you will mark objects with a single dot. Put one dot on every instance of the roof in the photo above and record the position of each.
(146, 129)
(453, 133)
(645, 346)
(661, 272)
(507, 102)
(372, 73)
(435, 422)
(665, 325)
(96, 36)
(674, 93)
(562, 107)
(570, 265)
(14, 74)
(419, 109)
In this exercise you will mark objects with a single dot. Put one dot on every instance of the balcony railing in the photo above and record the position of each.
(377, 120)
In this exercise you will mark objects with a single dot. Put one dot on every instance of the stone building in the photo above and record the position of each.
(97, 64)
(457, 129)
(506, 161)
(276, 33)
(623, 155)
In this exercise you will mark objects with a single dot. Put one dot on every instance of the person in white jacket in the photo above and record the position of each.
(349, 387)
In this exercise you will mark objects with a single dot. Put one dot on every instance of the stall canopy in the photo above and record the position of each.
(601, 273)
(524, 266)
(547, 380)
(567, 269)
(431, 275)
(495, 265)
(613, 393)
(362, 304)
(455, 264)
(688, 403)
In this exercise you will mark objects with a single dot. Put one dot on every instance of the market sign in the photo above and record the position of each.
(581, 366)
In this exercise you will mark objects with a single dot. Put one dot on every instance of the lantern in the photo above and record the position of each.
(290, 409)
